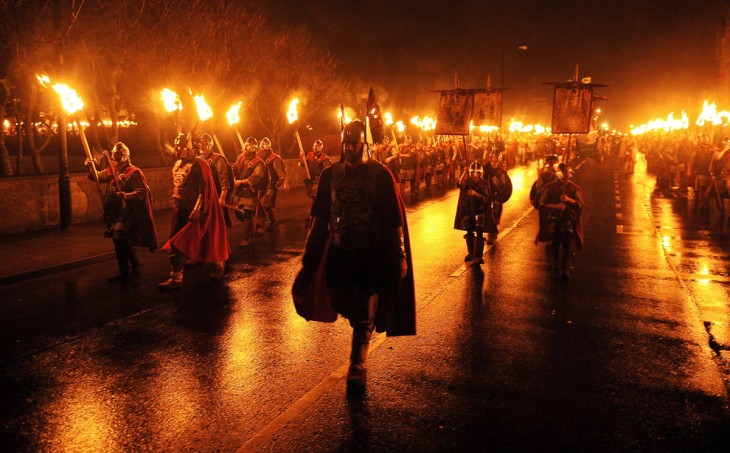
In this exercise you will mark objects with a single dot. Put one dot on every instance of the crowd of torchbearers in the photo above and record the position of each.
(358, 246)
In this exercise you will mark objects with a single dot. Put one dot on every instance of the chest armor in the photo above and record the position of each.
(353, 219)
(180, 173)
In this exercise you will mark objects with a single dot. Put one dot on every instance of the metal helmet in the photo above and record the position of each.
(266, 143)
(476, 168)
(120, 148)
(181, 141)
(353, 141)
(408, 139)
(552, 159)
(203, 142)
(318, 145)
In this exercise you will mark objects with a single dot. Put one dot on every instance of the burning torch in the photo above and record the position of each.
(205, 113)
(173, 104)
(71, 103)
(293, 116)
(234, 118)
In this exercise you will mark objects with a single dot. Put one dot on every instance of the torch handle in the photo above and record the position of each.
(395, 141)
(112, 172)
(85, 143)
(218, 144)
(240, 139)
(302, 155)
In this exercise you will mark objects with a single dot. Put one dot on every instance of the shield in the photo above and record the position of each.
(506, 192)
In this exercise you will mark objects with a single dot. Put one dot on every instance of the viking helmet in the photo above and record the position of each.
(203, 142)
(353, 141)
(476, 168)
(120, 148)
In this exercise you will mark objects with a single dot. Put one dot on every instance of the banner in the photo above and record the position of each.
(488, 109)
(572, 109)
(455, 112)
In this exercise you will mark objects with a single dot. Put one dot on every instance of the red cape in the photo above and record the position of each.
(396, 306)
(204, 240)
(146, 235)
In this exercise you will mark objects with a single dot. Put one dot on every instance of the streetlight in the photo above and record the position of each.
(522, 47)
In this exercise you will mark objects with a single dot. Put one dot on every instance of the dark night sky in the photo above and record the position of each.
(657, 56)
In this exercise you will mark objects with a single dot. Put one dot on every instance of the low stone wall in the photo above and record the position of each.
(31, 202)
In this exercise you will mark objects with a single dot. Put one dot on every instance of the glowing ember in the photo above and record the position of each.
(171, 100)
(292, 114)
(232, 114)
(204, 111)
(71, 101)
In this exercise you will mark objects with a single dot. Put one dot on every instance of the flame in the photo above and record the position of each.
(668, 125)
(43, 79)
(292, 114)
(171, 100)
(204, 111)
(416, 121)
(711, 115)
(401, 127)
(232, 114)
(488, 129)
(428, 123)
(388, 118)
(70, 99)
(349, 114)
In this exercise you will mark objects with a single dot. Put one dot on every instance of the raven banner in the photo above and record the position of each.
(455, 113)
(572, 108)
(488, 109)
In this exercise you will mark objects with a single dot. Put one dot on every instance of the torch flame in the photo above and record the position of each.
(401, 127)
(43, 79)
(292, 114)
(232, 114)
(388, 118)
(348, 118)
(711, 115)
(204, 111)
(171, 100)
(69, 98)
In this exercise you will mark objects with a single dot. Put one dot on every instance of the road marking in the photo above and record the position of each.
(264, 436)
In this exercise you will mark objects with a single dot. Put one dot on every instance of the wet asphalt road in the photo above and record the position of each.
(507, 358)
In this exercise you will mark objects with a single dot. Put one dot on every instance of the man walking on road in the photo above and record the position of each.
(357, 258)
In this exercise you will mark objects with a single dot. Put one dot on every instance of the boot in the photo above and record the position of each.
(554, 252)
(469, 247)
(361, 334)
(479, 250)
(247, 228)
(491, 238)
(121, 250)
(218, 271)
(175, 281)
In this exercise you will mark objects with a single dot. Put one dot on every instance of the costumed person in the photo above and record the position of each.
(409, 165)
(277, 178)
(546, 175)
(198, 233)
(357, 258)
(250, 183)
(499, 185)
(561, 206)
(473, 211)
(127, 211)
(221, 170)
(316, 161)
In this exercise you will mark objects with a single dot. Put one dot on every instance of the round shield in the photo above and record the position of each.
(506, 192)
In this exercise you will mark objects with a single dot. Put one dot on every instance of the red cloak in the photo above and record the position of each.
(204, 240)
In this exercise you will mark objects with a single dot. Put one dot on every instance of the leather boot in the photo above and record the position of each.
(361, 334)
(176, 278)
(469, 246)
(247, 233)
(121, 250)
(479, 250)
